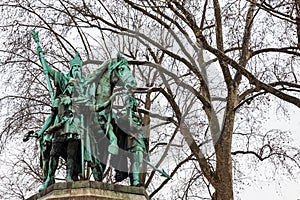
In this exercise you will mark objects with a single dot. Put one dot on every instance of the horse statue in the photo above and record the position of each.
(99, 88)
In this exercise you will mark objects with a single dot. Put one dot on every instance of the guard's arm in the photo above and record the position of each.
(47, 69)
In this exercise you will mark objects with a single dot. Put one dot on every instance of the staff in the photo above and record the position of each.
(43, 61)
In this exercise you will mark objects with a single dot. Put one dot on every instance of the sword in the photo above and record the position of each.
(28, 135)
(161, 171)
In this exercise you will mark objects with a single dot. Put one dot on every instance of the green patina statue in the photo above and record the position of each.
(66, 140)
(81, 128)
(128, 127)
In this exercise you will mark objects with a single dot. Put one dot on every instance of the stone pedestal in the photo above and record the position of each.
(90, 190)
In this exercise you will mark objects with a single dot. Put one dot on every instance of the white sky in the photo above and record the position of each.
(285, 188)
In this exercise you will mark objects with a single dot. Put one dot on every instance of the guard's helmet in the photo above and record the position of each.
(76, 61)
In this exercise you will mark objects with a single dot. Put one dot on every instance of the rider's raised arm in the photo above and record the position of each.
(46, 67)
(53, 73)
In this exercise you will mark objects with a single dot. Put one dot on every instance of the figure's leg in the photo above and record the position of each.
(45, 158)
(43, 166)
(136, 161)
(120, 161)
(72, 151)
(77, 167)
(53, 163)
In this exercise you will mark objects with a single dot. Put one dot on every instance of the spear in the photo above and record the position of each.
(161, 171)
(43, 61)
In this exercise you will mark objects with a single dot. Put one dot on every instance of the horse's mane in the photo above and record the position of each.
(98, 73)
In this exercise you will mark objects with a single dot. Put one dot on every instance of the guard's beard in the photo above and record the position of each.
(77, 75)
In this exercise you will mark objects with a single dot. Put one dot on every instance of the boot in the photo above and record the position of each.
(134, 180)
(49, 181)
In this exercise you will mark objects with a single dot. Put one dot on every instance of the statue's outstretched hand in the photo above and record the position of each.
(27, 136)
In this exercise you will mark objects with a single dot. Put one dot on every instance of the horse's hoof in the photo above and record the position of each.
(113, 149)
(68, 178)
(41, 188)
(44, 186)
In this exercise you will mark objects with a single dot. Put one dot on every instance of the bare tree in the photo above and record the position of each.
(206, 70)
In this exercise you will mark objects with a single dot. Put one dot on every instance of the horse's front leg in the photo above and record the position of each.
(113, 147)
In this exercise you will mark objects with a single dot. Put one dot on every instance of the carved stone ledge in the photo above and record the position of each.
(90, 190)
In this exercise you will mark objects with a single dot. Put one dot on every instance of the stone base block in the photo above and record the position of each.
(90, 190)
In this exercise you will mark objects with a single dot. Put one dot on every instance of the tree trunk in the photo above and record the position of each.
(146, 121)
(297, 3)
(224, 183)
(223, 175)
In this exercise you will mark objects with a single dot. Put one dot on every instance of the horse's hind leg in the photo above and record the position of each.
(97, 170)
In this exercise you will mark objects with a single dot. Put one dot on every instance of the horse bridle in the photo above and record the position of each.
(117, 64)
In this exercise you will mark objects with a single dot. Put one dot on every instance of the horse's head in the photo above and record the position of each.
(121, 74)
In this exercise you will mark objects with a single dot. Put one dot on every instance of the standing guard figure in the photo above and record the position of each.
(66, 133)
(130, 135)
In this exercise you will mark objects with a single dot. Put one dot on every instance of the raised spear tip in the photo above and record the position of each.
(35, 36)
(161, 171)
(165, 174)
